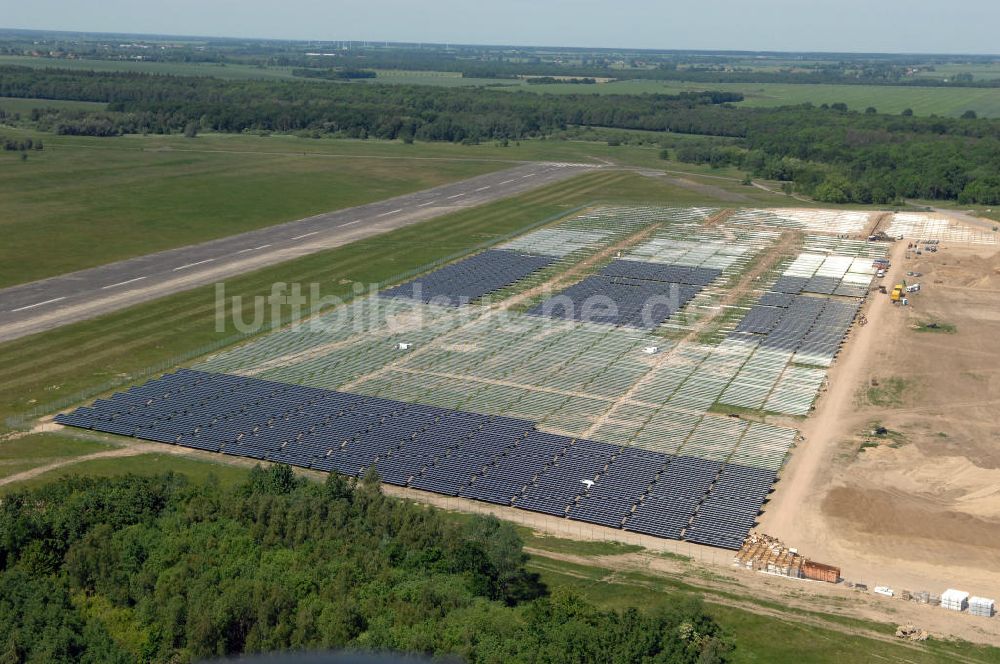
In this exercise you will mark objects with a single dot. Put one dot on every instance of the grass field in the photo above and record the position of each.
(85, 201)
(47, 367)
(887, 99)
(142, 464)
(979, 71)
(88, 201)
(21, 454)
(576, 547)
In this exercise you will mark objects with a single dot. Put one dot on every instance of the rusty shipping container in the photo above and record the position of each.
(820, 572)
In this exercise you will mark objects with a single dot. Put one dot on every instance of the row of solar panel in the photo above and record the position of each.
(471, 278)
(798, 323)
(818, 284)
(663, 272)
(499, 460)
(618, 301)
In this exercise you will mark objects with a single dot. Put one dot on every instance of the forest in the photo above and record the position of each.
(827, 152)
(157, 569)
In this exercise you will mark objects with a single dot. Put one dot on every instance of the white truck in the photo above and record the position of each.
(883, 590)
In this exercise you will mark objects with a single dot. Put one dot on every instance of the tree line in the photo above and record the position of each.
(840, 157)
(21, 144)
(827, 152)
(142, 103)
(140, 569)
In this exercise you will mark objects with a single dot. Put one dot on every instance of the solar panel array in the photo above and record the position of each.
(823, 221)
(501, 460)
(557, 241)
(848, 276)
(919, 226)
(471, 278)
(617, 301)
(841, 246)
(629, 293)
(663, 272)
(812, 327)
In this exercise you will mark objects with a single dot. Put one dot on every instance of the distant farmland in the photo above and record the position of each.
(887, 99)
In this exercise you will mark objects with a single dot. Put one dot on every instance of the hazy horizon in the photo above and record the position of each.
(849, 26)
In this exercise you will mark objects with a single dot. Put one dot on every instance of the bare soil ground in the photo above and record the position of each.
(919, 507)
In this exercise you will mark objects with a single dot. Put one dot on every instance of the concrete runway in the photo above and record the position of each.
(42, 305)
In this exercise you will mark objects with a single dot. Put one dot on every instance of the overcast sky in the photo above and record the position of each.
(911, 26)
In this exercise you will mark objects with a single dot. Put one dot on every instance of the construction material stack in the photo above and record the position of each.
(763, 553)
(981, 606)
(954, 600)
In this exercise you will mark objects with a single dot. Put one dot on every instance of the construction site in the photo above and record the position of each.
(799, 393)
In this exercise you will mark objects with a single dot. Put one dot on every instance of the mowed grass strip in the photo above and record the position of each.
(45, 368)
(41, 449)
(71, 206)
(198, 471)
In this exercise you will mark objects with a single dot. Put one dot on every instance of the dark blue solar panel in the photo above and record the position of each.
(614, 493)
(798, 323)
(674, 274)
(562, 481)
(494, 459)
(731, 507)
(666, 510)
(618, 301)
(469, 279)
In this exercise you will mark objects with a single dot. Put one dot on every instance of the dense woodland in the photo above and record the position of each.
(160, 570)
(832, 154)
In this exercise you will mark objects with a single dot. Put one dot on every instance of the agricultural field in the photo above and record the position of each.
(887, 99)
(979, 71)
(923, 101)
(228, 71)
